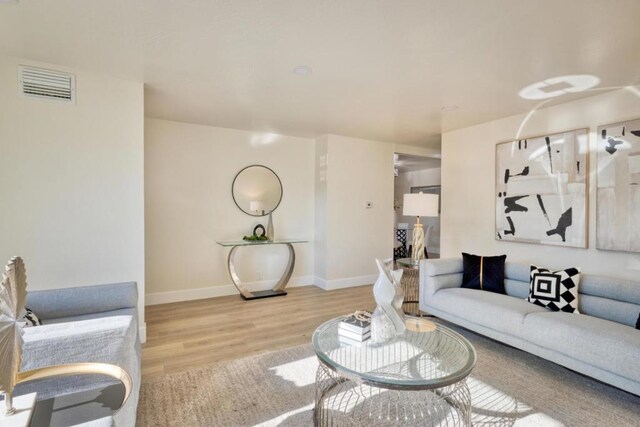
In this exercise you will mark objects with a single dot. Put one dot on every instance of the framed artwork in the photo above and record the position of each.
(542, 187)
(618, 187)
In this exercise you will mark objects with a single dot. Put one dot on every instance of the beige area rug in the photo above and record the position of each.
(509, 388)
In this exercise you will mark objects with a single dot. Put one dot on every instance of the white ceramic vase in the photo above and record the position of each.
(270, 227)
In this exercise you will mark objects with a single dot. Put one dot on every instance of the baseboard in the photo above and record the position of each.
(220, 291)
(347, 282)
(225, 290)
(143, 333)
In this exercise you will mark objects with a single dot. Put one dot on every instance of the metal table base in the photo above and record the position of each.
(279, 288)
(343, 401)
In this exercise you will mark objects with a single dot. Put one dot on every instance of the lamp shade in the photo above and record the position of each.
(420, 204)
(255, 206)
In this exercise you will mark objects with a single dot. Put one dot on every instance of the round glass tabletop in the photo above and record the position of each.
(427, 356)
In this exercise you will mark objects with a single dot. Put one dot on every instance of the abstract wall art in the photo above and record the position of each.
(542, 189)
(618, 193)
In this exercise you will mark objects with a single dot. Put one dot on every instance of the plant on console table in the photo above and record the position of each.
(255, 238)
(259, 235)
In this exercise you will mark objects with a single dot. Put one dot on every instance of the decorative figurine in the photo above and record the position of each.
(388, 319)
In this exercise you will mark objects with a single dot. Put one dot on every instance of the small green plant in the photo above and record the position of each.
(255, 238)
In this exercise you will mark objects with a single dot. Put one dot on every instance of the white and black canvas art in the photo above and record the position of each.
(618, 194)
(542, 188)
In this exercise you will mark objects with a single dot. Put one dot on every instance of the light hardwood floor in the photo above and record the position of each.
(192, 334)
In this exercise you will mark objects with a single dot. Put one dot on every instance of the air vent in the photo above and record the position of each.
(46, 84)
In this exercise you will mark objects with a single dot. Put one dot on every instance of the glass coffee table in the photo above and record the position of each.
(417, 379)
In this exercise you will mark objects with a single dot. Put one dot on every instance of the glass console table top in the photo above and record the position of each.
(408, 263)
(227, 243)
(427, 356)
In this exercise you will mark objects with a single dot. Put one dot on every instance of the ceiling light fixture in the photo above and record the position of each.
(556, 86)
(302, 70)
(450, 108)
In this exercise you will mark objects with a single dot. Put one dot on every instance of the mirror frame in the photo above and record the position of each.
(233, 184)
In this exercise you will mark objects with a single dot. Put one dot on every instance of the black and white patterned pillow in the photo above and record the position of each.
(555, 290)
(30, 318)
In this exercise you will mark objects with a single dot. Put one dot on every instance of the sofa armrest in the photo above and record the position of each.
(68, 302)
(108, 340)
(436, 274)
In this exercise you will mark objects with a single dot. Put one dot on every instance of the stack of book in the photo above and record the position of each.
(354, 329)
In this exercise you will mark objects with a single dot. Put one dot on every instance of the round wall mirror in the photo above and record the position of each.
(257, 190)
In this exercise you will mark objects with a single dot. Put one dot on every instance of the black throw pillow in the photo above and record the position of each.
(483, 272)
(638, 322)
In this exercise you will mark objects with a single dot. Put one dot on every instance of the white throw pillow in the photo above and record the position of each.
(555, 290)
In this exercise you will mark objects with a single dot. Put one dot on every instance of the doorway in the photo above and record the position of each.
(415, 174)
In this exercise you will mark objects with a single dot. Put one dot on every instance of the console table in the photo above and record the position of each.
(278, 289)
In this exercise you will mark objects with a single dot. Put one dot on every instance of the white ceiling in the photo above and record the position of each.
(381, 69)
(408, 163)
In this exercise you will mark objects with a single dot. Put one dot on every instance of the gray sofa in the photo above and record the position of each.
(86, 324)
(601, 342)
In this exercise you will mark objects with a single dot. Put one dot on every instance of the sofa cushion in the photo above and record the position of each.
(498, 312)
(609, 309)
(610, 287)
(588, 339)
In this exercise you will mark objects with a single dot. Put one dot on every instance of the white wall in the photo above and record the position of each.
(357, 171)
(468, 175)
(321, 151)
(189, 170)
(71, 181)
(402, 185)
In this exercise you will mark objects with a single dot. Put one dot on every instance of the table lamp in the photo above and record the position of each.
(256, 206)
(419, 204)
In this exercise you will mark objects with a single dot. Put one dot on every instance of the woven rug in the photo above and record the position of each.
(509, 387)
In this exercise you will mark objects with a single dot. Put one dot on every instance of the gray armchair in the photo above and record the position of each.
(86, 324)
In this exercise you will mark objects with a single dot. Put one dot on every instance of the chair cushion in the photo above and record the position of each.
(601, 343)
(499, 312)
(102, 315)
(107, 340)
(67, 302)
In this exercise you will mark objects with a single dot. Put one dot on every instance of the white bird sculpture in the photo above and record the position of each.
(13, 291)
(388, 319)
